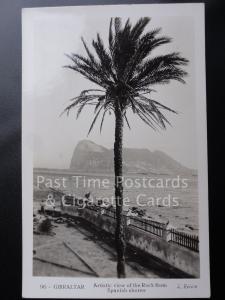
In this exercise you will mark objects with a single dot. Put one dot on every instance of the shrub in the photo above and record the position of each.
(45, 226)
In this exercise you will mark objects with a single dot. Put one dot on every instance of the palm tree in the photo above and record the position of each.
(124, 73)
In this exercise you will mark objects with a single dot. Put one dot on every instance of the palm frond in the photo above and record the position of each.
(100, 100)
(117, 26)
(125, 72)
(160, 69)
(151, 115)
(95, 119)
(79, 100)
(160, 105)
(90, 55)
(104, 57)
(111, 38)
(139, 27)
(89, 91)
(145, 119)
(103, 118)
(126, 119)
(144, 47)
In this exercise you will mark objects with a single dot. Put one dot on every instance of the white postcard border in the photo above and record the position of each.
(32, 285)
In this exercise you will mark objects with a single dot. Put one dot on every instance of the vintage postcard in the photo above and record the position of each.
(114, 152)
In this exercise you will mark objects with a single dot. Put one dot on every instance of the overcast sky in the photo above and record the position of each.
(49, 33)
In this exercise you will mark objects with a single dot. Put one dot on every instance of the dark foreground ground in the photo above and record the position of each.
(78, 249)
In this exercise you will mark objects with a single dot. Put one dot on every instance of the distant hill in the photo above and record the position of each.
(89, 157)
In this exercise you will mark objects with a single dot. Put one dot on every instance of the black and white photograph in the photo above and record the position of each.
(114, 152)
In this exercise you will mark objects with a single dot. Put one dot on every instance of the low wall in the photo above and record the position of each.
(179, 257)
(99, 220)
(172, 254)
(71, 210)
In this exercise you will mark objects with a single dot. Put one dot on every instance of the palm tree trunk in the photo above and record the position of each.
(118, 169)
